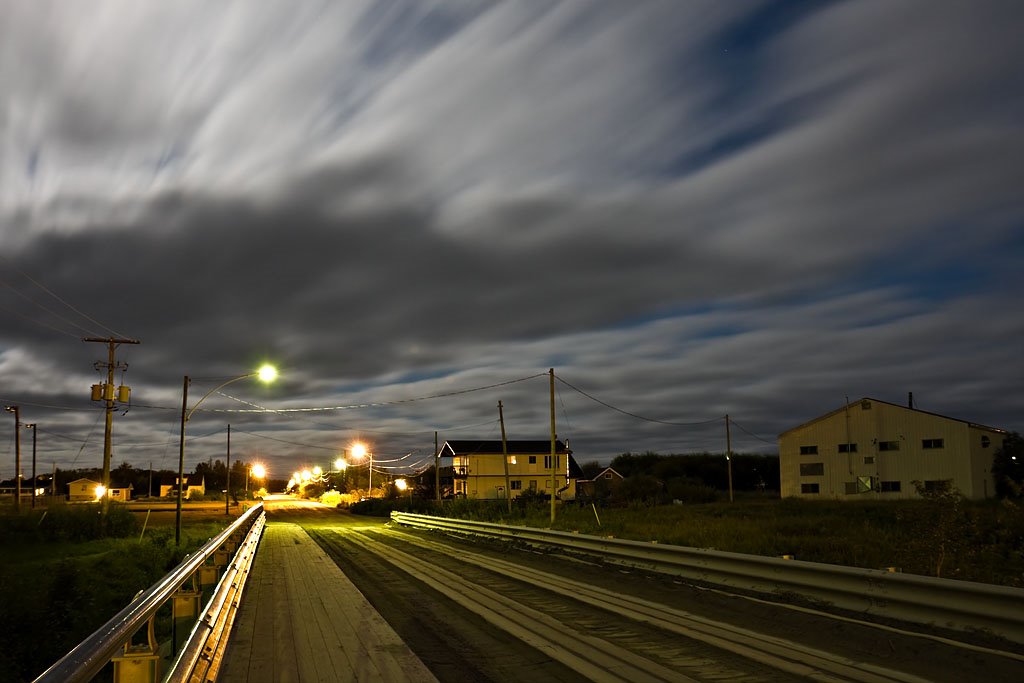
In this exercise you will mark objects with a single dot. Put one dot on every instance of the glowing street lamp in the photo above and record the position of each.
(359, 450)
(101, 491)
(257, 471)
(266, 373)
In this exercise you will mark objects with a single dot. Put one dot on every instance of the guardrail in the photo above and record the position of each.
(945, 603)
(183, 587)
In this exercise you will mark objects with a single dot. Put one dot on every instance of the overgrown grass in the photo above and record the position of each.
(67, 573)
(980, 541)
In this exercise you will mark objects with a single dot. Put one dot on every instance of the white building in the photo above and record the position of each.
(871, 449)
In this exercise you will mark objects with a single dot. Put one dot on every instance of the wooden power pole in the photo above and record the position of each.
(504, 456)
(106, 394)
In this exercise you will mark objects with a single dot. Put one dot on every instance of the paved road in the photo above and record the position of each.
(474, 611)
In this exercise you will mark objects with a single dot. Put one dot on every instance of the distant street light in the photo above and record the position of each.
(257, 471)
(360, 450)
(266, 374)
(17, 455)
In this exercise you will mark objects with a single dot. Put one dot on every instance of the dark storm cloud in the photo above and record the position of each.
(687, 210)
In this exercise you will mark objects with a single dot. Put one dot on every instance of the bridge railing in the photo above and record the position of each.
(946, 603)
(183, 587)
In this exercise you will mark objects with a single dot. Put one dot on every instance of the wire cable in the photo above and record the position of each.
(55, 296)
(749, 433)
(354, 406)
(639, 417)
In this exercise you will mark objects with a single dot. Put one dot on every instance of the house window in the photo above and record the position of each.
(931, 443)
(808, 450)
(547, 461)
(847, 448)
(516, 485)
(890, 487)
(985, 441)
(533, 484)
(533, 459)
(607, 475)
(851, 488)
(869, 460)
(937, 485)
(888, 445)
(547, 483)
(810, 488)
(512, 459)
(812, 469)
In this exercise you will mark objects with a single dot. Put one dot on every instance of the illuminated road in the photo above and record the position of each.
(483, 612)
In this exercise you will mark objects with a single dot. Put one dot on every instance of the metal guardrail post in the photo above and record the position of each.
(947, 603)
(139, 663)
(111, 640)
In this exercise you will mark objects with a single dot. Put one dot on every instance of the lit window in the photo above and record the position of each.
(808, 450)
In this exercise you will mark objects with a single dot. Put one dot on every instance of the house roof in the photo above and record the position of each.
(601, 474)
(893, 405)
(493, 447)
(86, 479)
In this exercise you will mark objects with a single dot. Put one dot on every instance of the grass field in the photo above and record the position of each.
(976, 541)
(61, 581)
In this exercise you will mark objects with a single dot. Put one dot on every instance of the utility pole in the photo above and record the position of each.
(551, 373)
(181, 460)
(17, 455)
(504, 456)
(437, 470)
(33, 426)
(105, 392)
(728, 453)
(227, 483)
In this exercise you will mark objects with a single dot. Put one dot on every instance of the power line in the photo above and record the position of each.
(355, 406)
(749, 433)
(58, 298)
(45, 308)
(639, 417)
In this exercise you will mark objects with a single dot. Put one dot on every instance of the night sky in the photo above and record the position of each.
(686, 209)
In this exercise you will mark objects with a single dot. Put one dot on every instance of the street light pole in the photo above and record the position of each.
(266, 374)
(17, 455)
(227, 484)
(33, 426)
(181, 460)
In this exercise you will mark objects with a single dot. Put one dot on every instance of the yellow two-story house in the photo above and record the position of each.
(479, 472)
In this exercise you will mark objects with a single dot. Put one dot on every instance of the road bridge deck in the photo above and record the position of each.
(301, 620)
